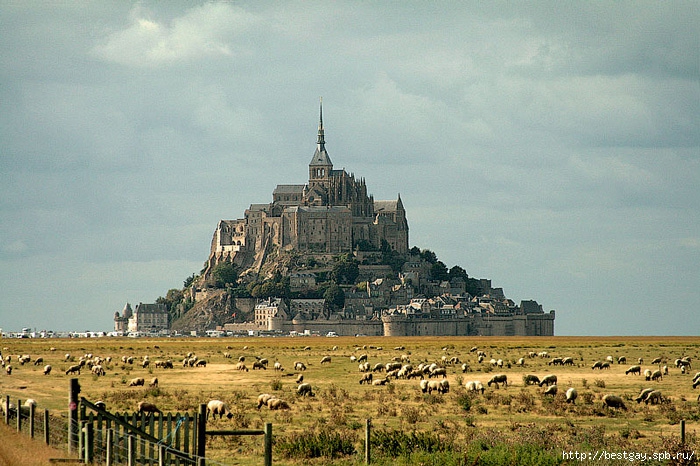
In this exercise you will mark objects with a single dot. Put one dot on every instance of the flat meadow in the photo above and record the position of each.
(517, 424)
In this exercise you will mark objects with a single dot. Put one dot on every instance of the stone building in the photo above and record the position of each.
(332, 213)
(149, 318)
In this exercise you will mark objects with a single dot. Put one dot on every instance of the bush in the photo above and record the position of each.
(396, 443)
(326, 444)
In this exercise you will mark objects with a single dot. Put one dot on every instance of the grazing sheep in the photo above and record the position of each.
(656, 361)
(568, 361)
(551, 390)
(241, 359)
(643, 395)
(38, 361)
(622, 360)
(67, 357)
(146, 407)
(647, 374)
(556, 362)
(654, 398)
(696, 383)
(548, 380)
(264, 362)
(227, 355)
(656, 375)
(520, 362)
(241, 367)
(137, 382)
(215, 407)
(47, 369)
(325, 359)
(362, 358)
(8, 369)
(300, 378)
(366, 378)
(259, 365)
(439, 371)
(73, 369)
(278, 366)
(640, 361)
(664, 370)
(530, 379)
(634, 370)
(276, 403)
(571, 395)
(597, 365)
(444, 386)
(497, 379)
(613, 401)
(153, 382)
(465, 368)
(98, 370)
(263, 399)
(304, 389)
(474, 386)
(609, 359)
(201, 363)
(299, 366)
(383, 381)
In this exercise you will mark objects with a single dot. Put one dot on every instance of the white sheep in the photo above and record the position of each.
(647, 374)
(278, 366)
(643, 394)
(153, 382)
(656, 375)
(551, 390)
(325, 359)
(146, 407)
(277, 403)
(304, 389)
(47, 369)
(215, 407)
(73, 369)
(634, 370)
(548, 380)
(571, 395)
(497, 379)
(366, 378)
(474, 386)
(263, 399)
(137, 382)
(530, 379)
(654, 398)
(299, 366)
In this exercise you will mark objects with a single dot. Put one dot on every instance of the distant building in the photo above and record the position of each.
(148, 318)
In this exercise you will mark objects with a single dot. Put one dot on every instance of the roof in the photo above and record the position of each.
(321, 157)
(289, 189)
(387, 206)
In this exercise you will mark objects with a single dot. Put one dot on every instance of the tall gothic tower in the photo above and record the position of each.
(320, 167)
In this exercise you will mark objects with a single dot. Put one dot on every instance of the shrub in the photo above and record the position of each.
(396, 443)
(276, 384)
(600, 383)
(464, 401)
(323, 444)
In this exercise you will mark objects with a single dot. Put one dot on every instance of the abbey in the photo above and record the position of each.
(332, 213)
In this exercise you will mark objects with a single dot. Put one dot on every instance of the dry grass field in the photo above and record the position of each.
(517, 423)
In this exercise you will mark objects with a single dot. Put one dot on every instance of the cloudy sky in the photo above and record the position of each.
(551, 147)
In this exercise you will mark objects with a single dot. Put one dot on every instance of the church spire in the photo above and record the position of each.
(321, 140)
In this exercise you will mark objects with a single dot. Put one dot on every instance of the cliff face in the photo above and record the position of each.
(217, 309)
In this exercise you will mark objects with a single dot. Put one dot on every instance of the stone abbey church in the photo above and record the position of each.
(332, 213)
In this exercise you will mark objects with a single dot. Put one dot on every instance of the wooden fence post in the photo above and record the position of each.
(32, 409)
(682, 431)
(201, 431)
(89, 442)
(110, 448)
(19, 415)
(131, 451)
(268, 444)
(47, 438)
(368, 426)
(7, 411)
(73, 427)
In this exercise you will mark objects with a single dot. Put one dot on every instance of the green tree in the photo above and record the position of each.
(345, 271)
(428, 256)
(224, 273)
(458, 272)
(334, 296)
(438, 271)
(188, 281)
